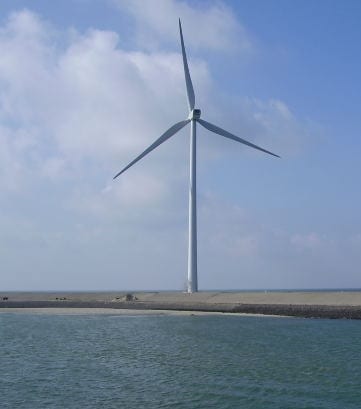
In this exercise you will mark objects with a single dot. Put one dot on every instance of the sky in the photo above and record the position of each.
(86, 85)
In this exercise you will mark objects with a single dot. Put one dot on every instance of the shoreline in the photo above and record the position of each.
(334, 305)
(123, 312)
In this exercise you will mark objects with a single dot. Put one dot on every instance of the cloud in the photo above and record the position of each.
(211, 26)
(92, 100)
(237, 247)
(311, 241)
(87, 101)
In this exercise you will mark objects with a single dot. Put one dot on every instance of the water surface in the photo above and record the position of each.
(178, 361)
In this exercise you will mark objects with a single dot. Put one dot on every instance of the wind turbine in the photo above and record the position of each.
(193, 117)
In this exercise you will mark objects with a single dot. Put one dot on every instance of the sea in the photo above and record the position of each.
(178, 361)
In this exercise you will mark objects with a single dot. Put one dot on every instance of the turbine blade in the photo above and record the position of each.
(167, 134)
(190, 91)
(220, 131)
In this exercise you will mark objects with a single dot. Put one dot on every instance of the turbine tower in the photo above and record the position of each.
(193, 117)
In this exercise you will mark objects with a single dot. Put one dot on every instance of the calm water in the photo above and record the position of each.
(104, 361)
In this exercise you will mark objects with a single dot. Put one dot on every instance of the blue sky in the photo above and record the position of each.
(87, 85)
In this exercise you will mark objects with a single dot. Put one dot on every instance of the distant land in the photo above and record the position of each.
(309, 304)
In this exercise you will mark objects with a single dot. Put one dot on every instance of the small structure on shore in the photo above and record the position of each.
(130, 297)
(126, 297)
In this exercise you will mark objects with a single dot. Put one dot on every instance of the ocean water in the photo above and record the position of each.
(178, 361)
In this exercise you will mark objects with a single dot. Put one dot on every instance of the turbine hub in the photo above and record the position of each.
(195, 114)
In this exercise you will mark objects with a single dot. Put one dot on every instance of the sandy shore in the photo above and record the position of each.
(120, 312)
(322, 304)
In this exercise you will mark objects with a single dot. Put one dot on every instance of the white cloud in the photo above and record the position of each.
(90, 100)
(207, 25)
(356, 241)
(311, 241)
(93, 100)
(130, 197)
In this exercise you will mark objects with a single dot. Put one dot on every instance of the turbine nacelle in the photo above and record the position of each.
(194, 114)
